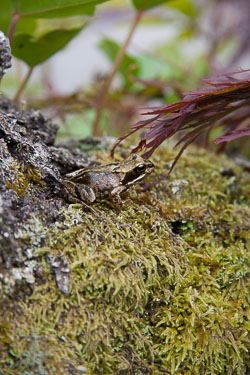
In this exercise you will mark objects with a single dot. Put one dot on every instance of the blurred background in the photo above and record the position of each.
(173, 47)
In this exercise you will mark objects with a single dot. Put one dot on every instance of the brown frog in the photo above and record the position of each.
(106, 181)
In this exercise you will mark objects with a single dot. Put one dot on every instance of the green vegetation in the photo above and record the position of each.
(159, 287)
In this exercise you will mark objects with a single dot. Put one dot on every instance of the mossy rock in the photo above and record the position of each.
(159, 287)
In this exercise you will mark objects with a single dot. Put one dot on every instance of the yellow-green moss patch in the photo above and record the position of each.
(159, 287)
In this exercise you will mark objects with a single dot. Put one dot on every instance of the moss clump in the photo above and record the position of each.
(22, 176)
(159, 287)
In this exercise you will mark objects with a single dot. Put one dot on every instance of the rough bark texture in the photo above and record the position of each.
(31, 174)
(5, 55)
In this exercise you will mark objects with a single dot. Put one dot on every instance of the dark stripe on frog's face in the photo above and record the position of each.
(132, 176)
(114, 164)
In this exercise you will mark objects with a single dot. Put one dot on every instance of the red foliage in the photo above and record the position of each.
(227, 104)
(232, 135)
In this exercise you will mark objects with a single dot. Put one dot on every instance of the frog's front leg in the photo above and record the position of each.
(115, 198)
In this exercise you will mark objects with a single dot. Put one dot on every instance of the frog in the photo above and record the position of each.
(108, 181)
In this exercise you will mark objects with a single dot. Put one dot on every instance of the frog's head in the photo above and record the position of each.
(134, 168)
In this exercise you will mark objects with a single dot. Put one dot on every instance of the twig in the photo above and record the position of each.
(23, 84)
(15, 18)
(117, 63)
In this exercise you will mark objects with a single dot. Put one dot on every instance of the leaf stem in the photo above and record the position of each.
(23, 84)
(118, 60)
(15, 18)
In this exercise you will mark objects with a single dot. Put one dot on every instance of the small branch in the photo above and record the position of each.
(117, 63)
(15, 18)
(22, 86)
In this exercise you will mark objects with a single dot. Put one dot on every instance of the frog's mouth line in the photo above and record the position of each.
(132, 179)
(136, 179)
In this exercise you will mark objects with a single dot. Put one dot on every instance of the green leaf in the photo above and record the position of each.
(54, 8)
(78, 125)
(31, 42)
(185, 6)
(45, 26)
(36, 50)
(152, 68)
(24, 25)
(5, 15)
(128, 65)
(147, 4)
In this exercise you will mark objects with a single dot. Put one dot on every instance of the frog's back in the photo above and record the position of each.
(101, 181)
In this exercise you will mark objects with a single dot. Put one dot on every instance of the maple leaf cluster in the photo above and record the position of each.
(225, 103)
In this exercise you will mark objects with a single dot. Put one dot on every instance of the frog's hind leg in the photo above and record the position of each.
(86, 196)
(85, 193)
(79, 195)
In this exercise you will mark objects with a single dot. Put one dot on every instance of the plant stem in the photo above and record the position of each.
(15, 18)
(118, 60)
(23, 84)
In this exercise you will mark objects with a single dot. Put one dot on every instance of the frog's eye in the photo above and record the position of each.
(140, 168)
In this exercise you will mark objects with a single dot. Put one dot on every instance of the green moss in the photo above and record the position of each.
(23, 175)
(159, 287)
